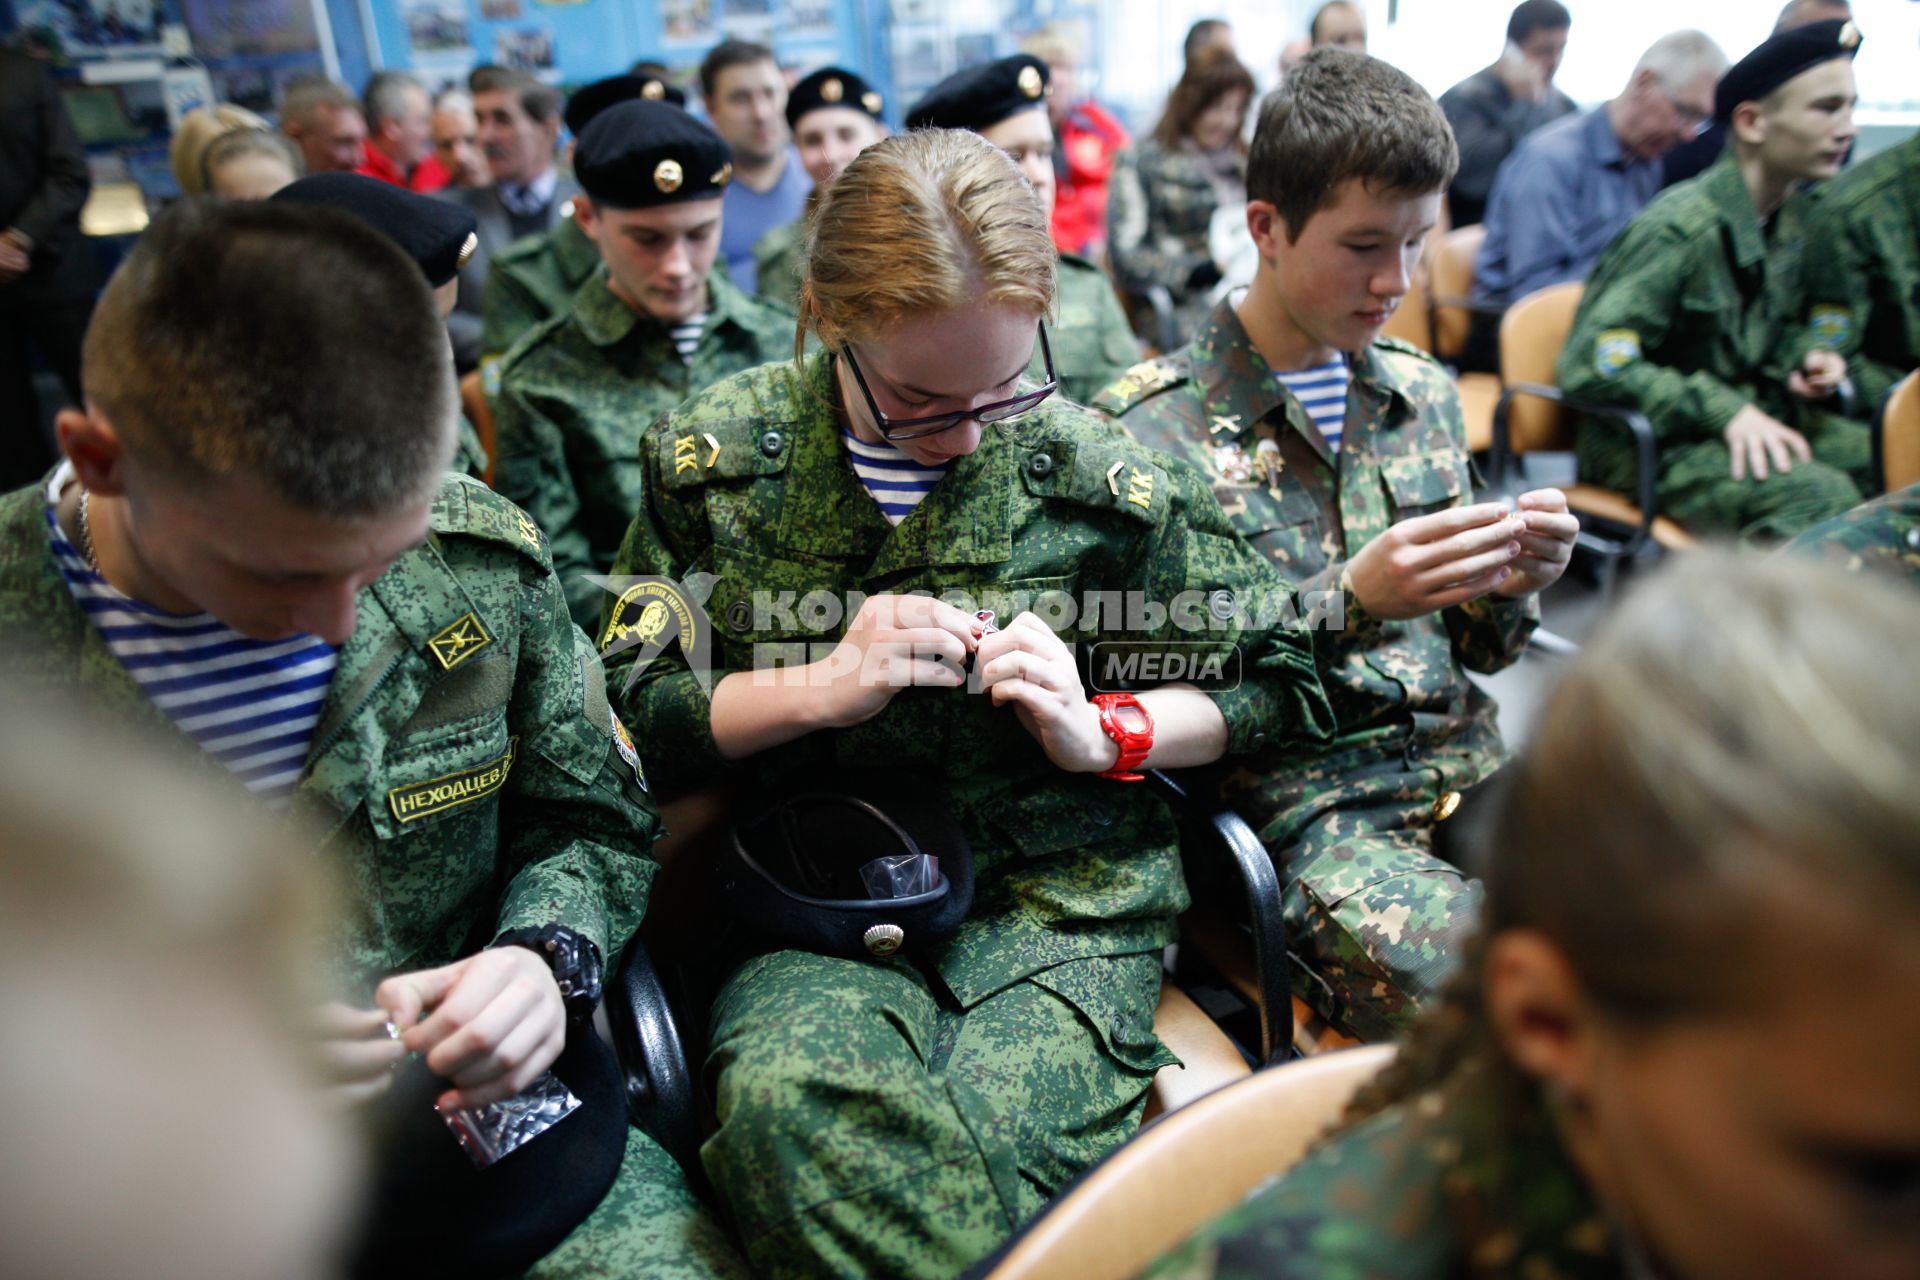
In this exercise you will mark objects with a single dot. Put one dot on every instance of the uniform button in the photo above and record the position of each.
(1259, 738)
(1444, 807)
(740, 615)
(770, 443)
(1415, 751)
(1220, 604)
(1913, 538)
(1040, 465)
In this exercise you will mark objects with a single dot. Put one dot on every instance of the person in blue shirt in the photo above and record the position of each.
(1572, 186)
(746, 99)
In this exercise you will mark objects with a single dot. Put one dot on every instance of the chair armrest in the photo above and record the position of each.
(660, 1084)
(1248, 856)
(1635, 423)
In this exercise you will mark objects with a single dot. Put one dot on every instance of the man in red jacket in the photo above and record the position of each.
(1087, 136)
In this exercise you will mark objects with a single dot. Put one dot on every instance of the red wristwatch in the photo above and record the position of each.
(1129, 725)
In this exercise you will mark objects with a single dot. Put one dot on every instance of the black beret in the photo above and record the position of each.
(832, 87)
(590, 100)
(438, 234)
(1782, 57)
(635, 155)
(981, 97)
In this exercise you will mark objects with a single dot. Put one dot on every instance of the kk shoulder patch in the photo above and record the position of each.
(1614, 350)
(420, 800)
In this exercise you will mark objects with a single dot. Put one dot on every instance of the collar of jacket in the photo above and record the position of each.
(1238, 390)
(575, 255)
(966, 519)
(606, 320)
(1733, 203)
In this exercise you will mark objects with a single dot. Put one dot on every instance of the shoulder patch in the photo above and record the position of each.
(1614, 350)
(1832, 326)
(1110, 476)
(692, 451)
(469, 507)
(1142, 382)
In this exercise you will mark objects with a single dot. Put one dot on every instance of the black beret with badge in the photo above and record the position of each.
(832, 87)
(590, 100)
(1780, 58)
(437, 234)
(981, 97)
(636, 155)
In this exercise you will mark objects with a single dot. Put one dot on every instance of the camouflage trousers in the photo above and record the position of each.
(1696, 485)
(650, 1224)
(871, 1127)
(1375, 922)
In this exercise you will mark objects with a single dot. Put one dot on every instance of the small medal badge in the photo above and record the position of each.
(1232, 463)
(985, 618)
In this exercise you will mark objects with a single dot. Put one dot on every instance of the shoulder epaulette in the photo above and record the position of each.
(1145, 380)
(467, 507)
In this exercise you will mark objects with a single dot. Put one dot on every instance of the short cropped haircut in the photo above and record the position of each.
(387, 94)
(307, 94)
(292, 343)
(1200, 35)
(730, 53)
(1530, 16)
(1343, 115)
(541, 102)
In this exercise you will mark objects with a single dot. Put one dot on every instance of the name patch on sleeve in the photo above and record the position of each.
(449, 791)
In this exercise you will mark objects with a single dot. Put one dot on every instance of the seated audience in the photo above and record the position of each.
(399, 145)
(746, 98)
(1862, 269)
(248, 164)
(1695, 315)
(1687, 1044)
(654, 324)
(1165, 188)
(1573, 185)
(1281, 400)
(1207, 37)
(263, 558)
(519, 130)
(325, 123)
(456, 140)
(1086, 137)
(834, 116)
(1492, 109)
(1002, 102)
(1338, 24)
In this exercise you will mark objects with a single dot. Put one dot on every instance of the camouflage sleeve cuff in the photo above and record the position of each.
(554, 893)
(1262, 713)
(1339, 620)
(675, 716)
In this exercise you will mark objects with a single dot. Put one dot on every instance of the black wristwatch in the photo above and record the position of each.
(574, 959)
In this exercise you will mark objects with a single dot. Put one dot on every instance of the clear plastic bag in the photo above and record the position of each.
(901, 875)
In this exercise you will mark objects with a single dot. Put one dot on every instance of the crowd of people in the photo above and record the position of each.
(444, 501)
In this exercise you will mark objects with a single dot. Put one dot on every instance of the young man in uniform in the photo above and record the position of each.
(652, 327)
(1694, 315)
(1863, 269)
(1005, 102)
(1343, 457)
(536, 278)
(834, 115)
(270, 567)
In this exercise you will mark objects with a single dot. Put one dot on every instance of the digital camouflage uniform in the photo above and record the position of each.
(1863, 269)
(1159, 207)
(900, 1118)
(575, 396)
(463, 667)
(531, 280)
(1091, 340)
(1883, 534)
(1693, 313)
(1375, 921)
(1468, 1180)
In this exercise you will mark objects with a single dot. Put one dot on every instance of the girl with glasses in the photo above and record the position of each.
(915, 565)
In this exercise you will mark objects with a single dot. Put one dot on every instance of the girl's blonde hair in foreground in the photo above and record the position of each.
(920, 222)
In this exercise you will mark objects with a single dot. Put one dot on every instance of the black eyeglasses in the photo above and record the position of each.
(933, 425)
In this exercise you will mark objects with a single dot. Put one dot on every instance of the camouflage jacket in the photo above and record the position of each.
(1863, 269)
(1159, 207)
(1883, 534)
(779, 264)
(532, 280)
(1458, 1182)
(465, 775)
(1091, 340)
(1691, 314)
(1396, 687)
(576, 394)
(749, 486)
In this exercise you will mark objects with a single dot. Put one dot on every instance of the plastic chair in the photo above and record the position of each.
(1896, 436)
(1531, 415)
(1451, 309)
(1184, 1170)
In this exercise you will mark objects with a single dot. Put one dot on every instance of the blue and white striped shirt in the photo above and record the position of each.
(1322, 392)
(252, 704)
(896, 481)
